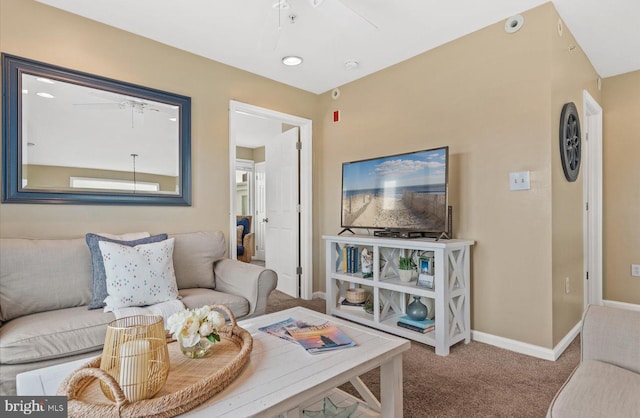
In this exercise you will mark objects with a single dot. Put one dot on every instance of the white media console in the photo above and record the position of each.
(451, 292)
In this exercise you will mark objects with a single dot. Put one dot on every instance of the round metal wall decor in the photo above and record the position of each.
(570, 142)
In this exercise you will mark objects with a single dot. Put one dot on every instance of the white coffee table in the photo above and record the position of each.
(281, 378)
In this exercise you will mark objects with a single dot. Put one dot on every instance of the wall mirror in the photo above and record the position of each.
(72, 137)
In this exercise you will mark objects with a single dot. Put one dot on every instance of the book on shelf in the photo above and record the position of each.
(320, 338)
(350, 257)
(313, 338)
(420, 324)
(416, 329)
(345, 304)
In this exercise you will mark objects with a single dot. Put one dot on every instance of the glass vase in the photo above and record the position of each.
(197, 351)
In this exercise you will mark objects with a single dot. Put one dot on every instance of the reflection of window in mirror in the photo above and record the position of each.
(244, 187)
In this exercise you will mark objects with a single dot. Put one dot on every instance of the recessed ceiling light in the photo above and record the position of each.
(45, 95)
(25, 91)
(292, 60)
(173, 119)
(44, 80)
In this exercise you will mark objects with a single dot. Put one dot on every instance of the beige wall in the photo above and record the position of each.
(494, 98)
(32, 30)
(42, 177)
(259, 155)
(621, 101)
(244, 153)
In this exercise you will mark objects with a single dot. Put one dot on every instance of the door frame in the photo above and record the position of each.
(592, 195)
(306, 185)
(260, 253)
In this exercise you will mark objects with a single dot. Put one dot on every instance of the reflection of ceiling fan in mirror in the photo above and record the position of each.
(136, 106)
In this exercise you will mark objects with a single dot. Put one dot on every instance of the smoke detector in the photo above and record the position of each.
(514, 23)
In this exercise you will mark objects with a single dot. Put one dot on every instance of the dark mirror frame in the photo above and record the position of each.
(12, 69)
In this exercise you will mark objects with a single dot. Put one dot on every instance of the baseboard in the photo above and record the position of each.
(622, 305)
(518, 346)
(568, 339)
(526, 348)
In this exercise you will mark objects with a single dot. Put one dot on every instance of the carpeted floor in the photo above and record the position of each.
(474, 380)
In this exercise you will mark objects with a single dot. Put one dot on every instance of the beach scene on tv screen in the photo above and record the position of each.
(404, 191)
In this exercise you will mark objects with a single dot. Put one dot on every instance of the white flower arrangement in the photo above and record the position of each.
(191, 325)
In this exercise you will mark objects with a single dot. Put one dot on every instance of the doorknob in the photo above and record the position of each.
(265, 219)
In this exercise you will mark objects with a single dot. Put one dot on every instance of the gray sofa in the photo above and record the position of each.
(607, 381)
(46, 285)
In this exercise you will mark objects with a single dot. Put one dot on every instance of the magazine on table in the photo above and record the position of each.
(279, 329)
(320, 338)
(313, 338)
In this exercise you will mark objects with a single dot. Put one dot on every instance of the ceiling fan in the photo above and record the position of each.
(333, 8)
(137, 106)
(318, 3)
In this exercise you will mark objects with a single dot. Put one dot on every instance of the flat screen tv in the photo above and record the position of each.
(403, 192)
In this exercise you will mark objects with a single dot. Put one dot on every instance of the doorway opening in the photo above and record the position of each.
(592, 195)
(280, 209)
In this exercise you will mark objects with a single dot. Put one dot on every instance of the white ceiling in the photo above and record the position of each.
(253, 35)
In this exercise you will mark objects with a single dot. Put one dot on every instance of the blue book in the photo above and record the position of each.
(420, 324)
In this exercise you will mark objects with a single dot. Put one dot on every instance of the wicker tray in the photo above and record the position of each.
(190, 383)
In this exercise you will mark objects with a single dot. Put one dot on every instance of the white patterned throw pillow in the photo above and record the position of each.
(140, 275)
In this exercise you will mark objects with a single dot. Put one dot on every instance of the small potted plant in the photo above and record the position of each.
(406, 269)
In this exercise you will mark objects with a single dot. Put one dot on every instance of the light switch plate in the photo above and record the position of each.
(519, 181)
(635, 270)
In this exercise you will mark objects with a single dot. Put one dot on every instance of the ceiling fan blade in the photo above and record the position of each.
(99, 106)
(354, 11)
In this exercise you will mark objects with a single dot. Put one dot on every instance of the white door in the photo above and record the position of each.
(261, 211)
(281, 157)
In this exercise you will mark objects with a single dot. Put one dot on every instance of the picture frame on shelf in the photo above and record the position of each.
(425, 264)
(425, 280)
(425, 268)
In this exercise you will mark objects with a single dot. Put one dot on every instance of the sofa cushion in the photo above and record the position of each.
(53, 334)
(193, 257)
(198, 297)
(99, 283)
(38, 275)
(140, 275)
(598, 389)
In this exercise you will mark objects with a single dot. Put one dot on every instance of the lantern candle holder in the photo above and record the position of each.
(135, 354)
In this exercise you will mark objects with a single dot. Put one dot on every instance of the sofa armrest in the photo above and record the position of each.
(611, 335)
(249, 281)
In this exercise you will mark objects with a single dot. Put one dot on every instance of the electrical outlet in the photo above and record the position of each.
(567, 286)
(635, 270)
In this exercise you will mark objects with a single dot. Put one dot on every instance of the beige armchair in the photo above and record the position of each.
(246, 238)
(607, 381)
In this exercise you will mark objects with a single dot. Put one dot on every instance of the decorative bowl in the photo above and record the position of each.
(356, 295)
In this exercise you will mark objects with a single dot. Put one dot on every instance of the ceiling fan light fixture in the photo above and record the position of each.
(291, 60)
